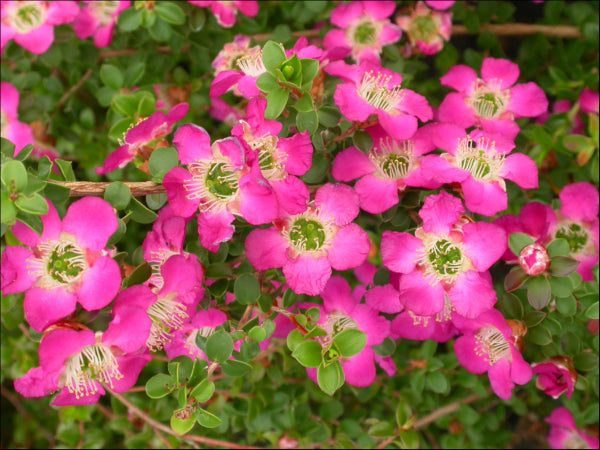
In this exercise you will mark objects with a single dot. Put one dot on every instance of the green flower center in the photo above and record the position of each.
(477, 164)
(396, 166)
(220, 181)
(364, 34)
(28, 17)
(423, 28)
(575, 235)
(479, 158)
(307, 235)
(445, 258)
(66, 263)
(103, 11)
(488, 105)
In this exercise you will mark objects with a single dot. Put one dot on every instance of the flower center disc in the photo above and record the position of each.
(445, 258)
(574, 235)
(66, 262)
(307, 235)
(28, 17)
(221, 182)
(423, 28)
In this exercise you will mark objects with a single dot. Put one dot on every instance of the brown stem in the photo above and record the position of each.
(84, 188)
(74, 88)
(159, 426)
(522, 29)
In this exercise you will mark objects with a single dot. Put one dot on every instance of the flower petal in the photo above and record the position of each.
(92, 221)
(307, 274)
(349, 248)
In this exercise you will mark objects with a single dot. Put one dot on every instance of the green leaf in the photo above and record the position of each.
(363, 141)
(8, 211)
(180, 422)
(272, 55)
(511, 306)
(561, 287)
(437, 382)
(276, 102)
(141, 213)
(562, 266)
(308, 353)
(289, 72)
(267, 83)
(305, 104)
(539, 292)
(206, 419)
(219, 346)
(160, 385)
(329, 116)
(156, 201)
(44, 168)
(307, 121)
(310, 68)
(585, 361)
(539, 335)
(203, 391)
(558, 247)
(257, 334)
(592, 311)
(125, 104)
(36, 204)
(246, 289)
(570, 343)
(197, 19)
(170, 12)
(111, 76)
(161, 161)
(66, 169)
(218, 270)
(294, 339)
(518, 241)
(118, 195)
(350, 342)
(14, 176)
(160, 31)
(330, 378)
(32, 221)
(7, 148)
(147, 106)
(533, 318)
(235, 368)
(289, 298)
(515, 279)
(139, 275)
(381, 429)
(566, 306)
(130, 19)
(386, 348)
(134, 73)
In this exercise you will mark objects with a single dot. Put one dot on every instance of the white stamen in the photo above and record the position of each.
(492, 345)
(93, 363)
(373, 89)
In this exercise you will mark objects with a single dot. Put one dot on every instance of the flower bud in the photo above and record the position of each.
(556, 376)
(534, 259)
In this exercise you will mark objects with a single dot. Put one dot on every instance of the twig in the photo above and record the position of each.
(74, 88)
(522, 29)
(83, 188)
(155, 424)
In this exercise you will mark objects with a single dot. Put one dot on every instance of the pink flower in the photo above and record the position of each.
(308, 245)
(376, 91)
(564, 432)
(389, 168)
(577, 223)
(31, 23)
(237, 67)
(427, 29)
(225, 12)
(488, 346)
(340, 311)
(98, 19)
(480, 162)
(534, 259)
(589, 101)
(76, 361)
(556, 376)
(365, 29)
(146, 133)
(439, 4)
(281, 160)
(219, 184)
(66, 265)
(18, 133)
(446, 260)
(492, 101)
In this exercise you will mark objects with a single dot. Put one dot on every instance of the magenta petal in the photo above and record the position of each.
(494, 70)
(454, 109)
(379, 10)
(409, 326)
(15, 276)
(350, 247)
(52, 228)
(579, 201)
(460, 77)
(175, 184)
(400, 127)
(420, 295)
(384, 298)
(298, 152)
(484, 243)
(438, 170)
(520, 370)
(360, 370)
(43, 307)
(336, 38)
(344, 14)
(521, 169)
(232, 148)
(350, 164)
(467, 304)
(527, 100)
(399, 251)
(445, 135)
(376, 195)
(266, 249)
(214, 228)
(465, 348)
(307, 274)
(258, 201)
(37, 383)
(92, 221)
(486, 198)
(181, 275)
(129, 330)
(145, 131)
(440, 212)
(130, 367)
(499, 375)
(38, 40)
(65, 398)
(224, 81)
(292, 194)
(192, 143)
(117, 159)
(415, 105)
(352, 106)
(248, 88)
(338, 200)
(100, 284)
(337, 296)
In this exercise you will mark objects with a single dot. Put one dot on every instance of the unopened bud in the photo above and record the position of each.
(534, 259)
